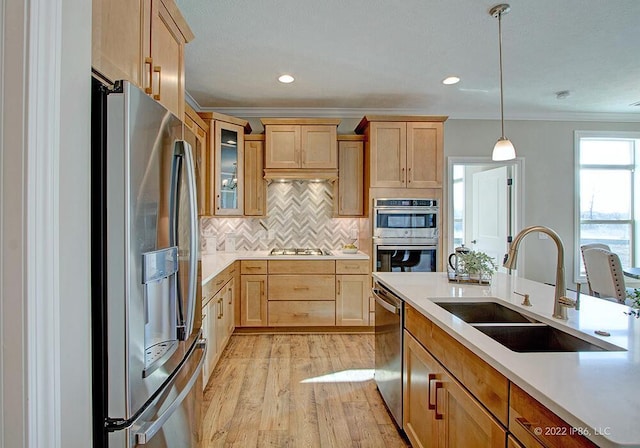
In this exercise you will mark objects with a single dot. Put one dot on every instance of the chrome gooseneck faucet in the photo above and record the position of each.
(561, 301)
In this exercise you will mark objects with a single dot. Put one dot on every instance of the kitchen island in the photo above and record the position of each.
(595, 392)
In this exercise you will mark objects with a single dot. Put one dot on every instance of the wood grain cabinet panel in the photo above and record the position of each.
(350, 184)
(116, 47)
(438, 411)
(197, 138)
(253, 267)
(352, 266)
(404, 151)
(527, 417)
(283, 146)
(319, 147)
(302, 287)
(255, 187)
(302, 267)
(302, 313)
(352, 300)
(253, 307)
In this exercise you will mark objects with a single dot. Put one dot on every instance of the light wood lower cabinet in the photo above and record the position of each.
(438, 411)
(253, 306)
(218, 323)
(292, 313)
(352, 300)
(534, 425)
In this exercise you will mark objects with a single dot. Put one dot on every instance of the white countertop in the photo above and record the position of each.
(213, 264)
(597, 391)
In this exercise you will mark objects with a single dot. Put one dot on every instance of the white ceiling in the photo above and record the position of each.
(383, 56)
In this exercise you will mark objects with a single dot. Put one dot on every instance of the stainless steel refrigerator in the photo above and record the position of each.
(146, 323)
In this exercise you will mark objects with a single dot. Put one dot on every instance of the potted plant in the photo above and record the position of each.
(478, 265)
(634, 297)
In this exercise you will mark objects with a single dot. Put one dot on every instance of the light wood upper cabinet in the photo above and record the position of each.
(197, 138)
(115, 40)
(350, 185)
(404, 151)
(255, 187)
(142, 42)
(226, 168)
(301, 143)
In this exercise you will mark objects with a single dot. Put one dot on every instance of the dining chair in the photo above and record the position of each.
(604, 273)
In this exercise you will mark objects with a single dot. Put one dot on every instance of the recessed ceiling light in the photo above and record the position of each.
(286, 79)
(450, 80)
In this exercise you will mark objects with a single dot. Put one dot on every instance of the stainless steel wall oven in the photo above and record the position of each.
(405, 235)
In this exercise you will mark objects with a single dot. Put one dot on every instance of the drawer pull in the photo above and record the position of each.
(528, 427)
(149, 84)
(438, 386)
(252, 267)
(432, 377)
(301, 314)
(157, 69)
(219, 282)
(301, 288)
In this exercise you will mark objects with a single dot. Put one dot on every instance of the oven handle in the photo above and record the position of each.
(405, 247)
(407, 211)
(384, 304)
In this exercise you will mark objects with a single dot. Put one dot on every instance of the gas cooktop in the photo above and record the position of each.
(299, 251)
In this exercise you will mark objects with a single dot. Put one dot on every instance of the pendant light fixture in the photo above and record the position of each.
(503, 149)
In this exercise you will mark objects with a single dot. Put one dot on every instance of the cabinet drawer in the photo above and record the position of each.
(216, 283)
(253, 267)
(352, 266)
(301, 287)
(302, 266)
(298, 313)
(526, 415)
(488, 385)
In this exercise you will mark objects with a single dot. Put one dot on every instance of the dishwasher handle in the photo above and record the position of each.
(384, 304)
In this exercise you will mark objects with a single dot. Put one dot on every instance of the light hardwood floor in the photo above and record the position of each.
(308, 390)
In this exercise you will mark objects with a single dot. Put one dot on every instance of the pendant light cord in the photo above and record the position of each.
(501, 94)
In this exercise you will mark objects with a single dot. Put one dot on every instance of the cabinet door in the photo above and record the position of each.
(167, 60)
(229, 168)
(282, 146)
(319, 146)
(116, 51)
(463, 420)
(221, 329)
(229, 306)
(351, 179)
(419, 377)
(388, 143)
(212, 339)
(352, 300)
(424, 155)
(205, 334)
(253, 307)
(197, 138)
(254, 183)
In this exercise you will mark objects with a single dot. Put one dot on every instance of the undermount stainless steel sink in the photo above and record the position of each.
(519, 332)
(539, 338)
(484, 312)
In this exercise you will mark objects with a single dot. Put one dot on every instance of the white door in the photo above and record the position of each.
(490, 213)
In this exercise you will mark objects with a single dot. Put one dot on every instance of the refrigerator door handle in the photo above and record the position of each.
(183, 154)
(146, 432)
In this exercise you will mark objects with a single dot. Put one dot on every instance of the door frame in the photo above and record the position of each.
(518, 196)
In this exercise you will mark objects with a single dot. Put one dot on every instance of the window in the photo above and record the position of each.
(605, 189)
(458, 205)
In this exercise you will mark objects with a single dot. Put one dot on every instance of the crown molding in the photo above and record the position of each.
(357, 113)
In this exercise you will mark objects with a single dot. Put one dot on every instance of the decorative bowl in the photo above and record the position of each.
(346, 250)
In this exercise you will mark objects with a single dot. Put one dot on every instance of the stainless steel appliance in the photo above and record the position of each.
(405, 235)
(146, 322)
(299, 251)
(388, 347)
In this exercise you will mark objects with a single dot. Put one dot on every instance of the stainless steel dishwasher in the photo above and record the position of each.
(389, 351)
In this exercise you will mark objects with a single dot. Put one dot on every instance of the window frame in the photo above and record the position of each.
(634, 219)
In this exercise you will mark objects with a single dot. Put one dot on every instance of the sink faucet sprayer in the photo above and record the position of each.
(561, 301)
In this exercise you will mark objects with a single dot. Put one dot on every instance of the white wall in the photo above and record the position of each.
(548, 149)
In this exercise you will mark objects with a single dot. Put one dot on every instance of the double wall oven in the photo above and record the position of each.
(405, 235)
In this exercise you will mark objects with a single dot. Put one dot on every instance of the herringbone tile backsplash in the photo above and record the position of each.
(298, 215)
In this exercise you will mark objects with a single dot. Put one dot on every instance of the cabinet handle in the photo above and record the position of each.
(409, 176)
(430, 378)
(218, 201)
(527, 427)
(301, 288)
(220, 308)
(339, 286)
(438, 386)
(149, 84)
(402, 178)
(301, 314)
(157, 69)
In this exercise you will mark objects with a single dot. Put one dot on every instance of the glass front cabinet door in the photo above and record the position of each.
(229, 176)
